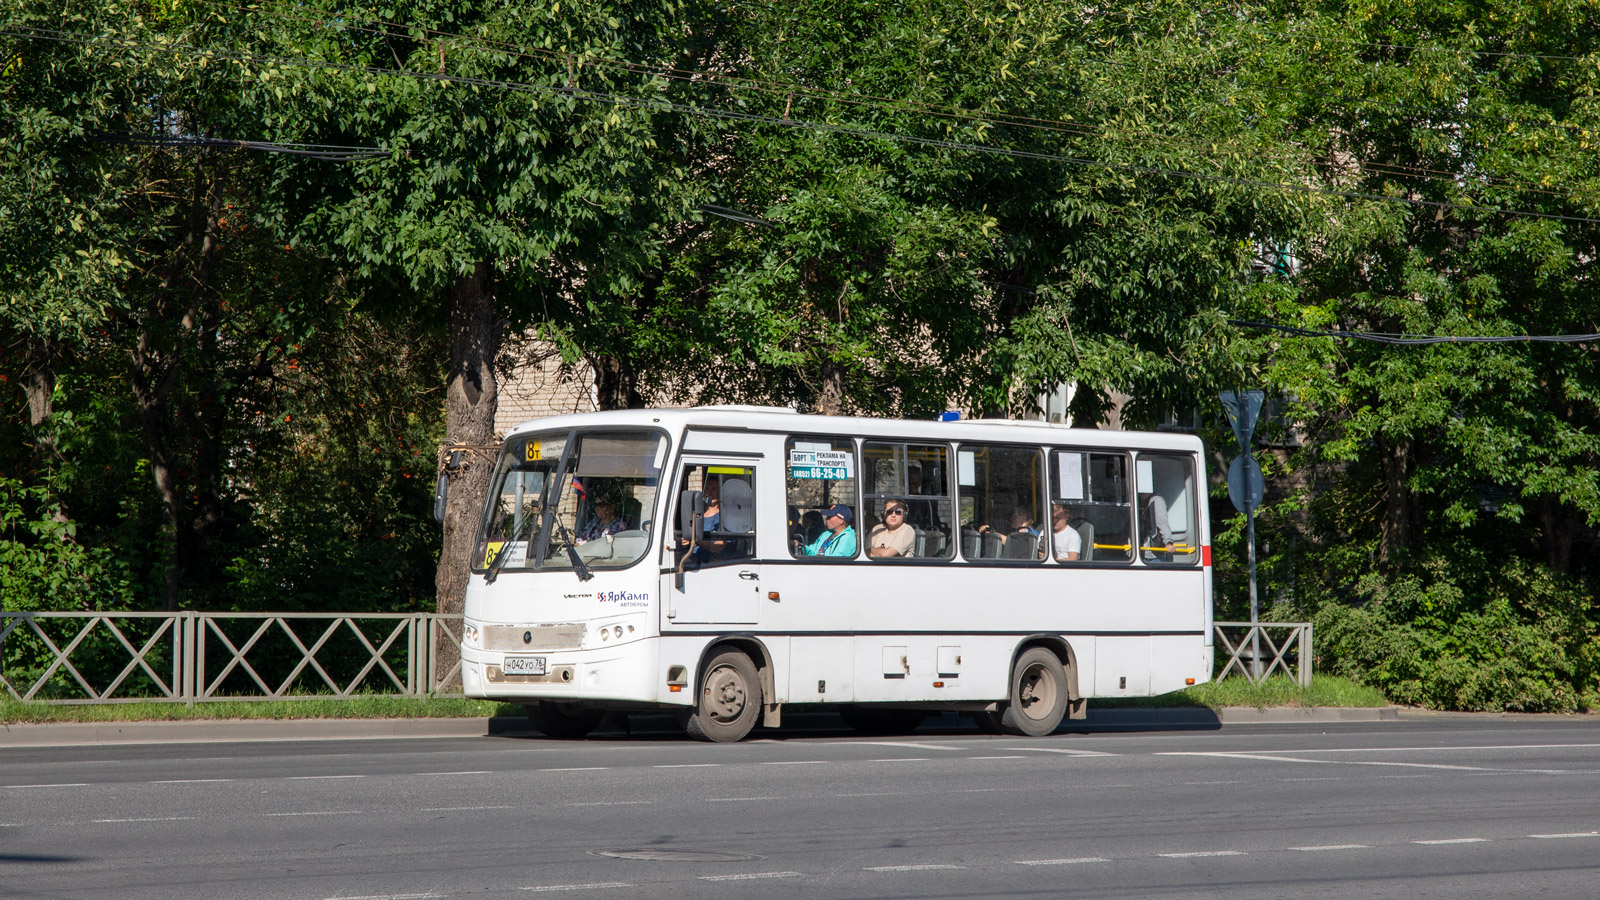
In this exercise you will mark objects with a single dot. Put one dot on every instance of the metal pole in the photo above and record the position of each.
(1255, 605)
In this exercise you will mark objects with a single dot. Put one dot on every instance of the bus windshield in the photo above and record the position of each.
(594, 491)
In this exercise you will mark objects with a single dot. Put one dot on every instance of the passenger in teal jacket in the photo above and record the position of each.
(839, 539)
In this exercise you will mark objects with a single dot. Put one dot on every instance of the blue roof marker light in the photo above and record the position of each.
(950, 415)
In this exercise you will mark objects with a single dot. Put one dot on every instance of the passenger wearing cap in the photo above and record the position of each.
(839, 539)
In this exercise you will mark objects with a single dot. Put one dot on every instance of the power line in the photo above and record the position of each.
(324, 152)
(738, 116)
(1420, 340)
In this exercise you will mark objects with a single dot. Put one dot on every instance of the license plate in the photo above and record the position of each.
(523, 665)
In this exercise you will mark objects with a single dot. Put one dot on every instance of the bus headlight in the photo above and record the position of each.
(469, 634)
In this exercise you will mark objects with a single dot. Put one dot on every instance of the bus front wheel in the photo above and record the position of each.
(729, 701)
(564, 721)
(1038, 694)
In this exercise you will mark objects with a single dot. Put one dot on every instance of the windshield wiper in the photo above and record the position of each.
(578, 565)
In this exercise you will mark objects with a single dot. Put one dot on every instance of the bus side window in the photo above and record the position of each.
(727, 530)
(821, 476)
(1091, 488)
(910, 478)
(1168, 530)
(1002, 503)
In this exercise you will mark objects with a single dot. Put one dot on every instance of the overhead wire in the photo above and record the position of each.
(325, 152)
(736, 115)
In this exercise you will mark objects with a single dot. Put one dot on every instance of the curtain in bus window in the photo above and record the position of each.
(906, 509)
(1089, 496)
(1166, 505)
(820, 474)
(1001, 500)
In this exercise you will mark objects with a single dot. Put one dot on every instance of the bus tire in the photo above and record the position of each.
(1038, 694)
(729, 703)
(563, 721)
(882, 721)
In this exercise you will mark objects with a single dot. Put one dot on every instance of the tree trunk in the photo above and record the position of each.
(830, 399)
(616, 383)
(470, 399)
(1394, 535)
(1560, 524)
(39, 384)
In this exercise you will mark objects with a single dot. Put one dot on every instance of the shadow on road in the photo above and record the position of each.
(826, 724)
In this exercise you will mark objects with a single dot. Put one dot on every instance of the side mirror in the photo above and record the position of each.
(691, 505)
(441, 494)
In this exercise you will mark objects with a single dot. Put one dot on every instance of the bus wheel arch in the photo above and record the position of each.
(1044, 671)
(734, 686)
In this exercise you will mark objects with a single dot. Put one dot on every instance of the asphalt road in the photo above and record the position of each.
(1397, 809)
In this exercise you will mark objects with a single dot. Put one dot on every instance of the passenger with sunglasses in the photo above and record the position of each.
(893, 537)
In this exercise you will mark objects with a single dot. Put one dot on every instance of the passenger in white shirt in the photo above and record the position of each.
(1066, 540)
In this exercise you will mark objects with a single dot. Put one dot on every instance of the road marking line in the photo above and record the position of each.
(1334, 847)
(485, 772)
(878, 794)
(1083, 753)
(331, 812)
(902, 759)
(1191, 783)
(738, 799)
(1441, 749)
(461, 808)
(578, 887)
(66, 784)
(1318, 778)
(689, 766)
(614, 803)
(910, 744)
(155, 819)
(1198, 853)
(1570, 834)
(997, 757)
(1324, 762)
(1454, 841)
(1061, 862)
(579, 769)
(798, 762)
(194, 781)
(390, 897)
(320, 777)
(749, 877)
(910, 868)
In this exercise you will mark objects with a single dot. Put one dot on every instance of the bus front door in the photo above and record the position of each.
(717, 580)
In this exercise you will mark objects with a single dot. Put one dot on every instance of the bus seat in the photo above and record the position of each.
(919, 547)
(1020, 546)
(991, 545)
(971, 543)
(738, 507)
(1086, 533)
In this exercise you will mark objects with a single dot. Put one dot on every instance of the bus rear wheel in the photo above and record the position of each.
(563, 721)
(882, 721)
(729, 701)
(1038, 694)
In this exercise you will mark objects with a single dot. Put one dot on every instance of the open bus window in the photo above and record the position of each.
(1168, 529)
(606, 493)
(907, 511)
(728, 528)
(821, 474)
(1002, 503)
(1092, 489)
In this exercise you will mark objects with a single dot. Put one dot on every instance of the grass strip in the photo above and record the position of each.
(1277, 691)
(373, 707)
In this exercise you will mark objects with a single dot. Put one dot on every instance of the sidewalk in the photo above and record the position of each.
(221, 730)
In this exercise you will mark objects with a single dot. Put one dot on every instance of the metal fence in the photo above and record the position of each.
(1266, 648)
(189, 657)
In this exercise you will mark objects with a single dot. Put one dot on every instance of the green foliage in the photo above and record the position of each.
(43, 566)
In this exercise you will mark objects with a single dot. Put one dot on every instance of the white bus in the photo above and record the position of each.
(727, 562)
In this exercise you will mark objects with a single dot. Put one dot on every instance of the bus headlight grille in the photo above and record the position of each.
(513, 638)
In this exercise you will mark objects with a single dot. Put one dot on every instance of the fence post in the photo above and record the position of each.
(1305, 655)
